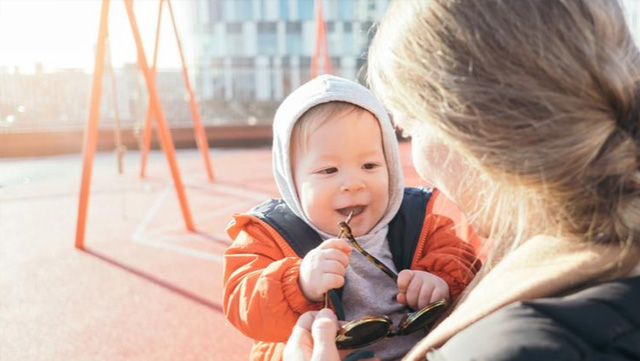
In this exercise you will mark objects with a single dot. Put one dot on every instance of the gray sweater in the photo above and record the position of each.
(370, 292)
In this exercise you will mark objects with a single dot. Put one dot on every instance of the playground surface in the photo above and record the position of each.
(144, 288)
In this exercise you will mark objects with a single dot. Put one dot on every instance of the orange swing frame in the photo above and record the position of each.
(164, 135)
(155, 110)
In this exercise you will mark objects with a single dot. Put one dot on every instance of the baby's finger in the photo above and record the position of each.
(334, 267)
(336, 255)
(331, 281)
(404, 278)
(413, 292)
(402, 298)
(426, 293)
(439, 293)
(335, 243)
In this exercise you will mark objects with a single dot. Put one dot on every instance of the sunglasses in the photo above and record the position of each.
(370, 329)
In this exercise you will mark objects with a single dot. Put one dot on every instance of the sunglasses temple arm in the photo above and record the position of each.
(371, 258)
(345, 230)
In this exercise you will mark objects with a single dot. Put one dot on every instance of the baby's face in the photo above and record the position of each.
(343, 169)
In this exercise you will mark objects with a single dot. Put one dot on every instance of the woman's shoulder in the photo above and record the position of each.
(602, 321)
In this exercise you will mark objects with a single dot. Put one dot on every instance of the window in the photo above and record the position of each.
(305, 9)
(243, 10)
(294, 27)
(215, 11)
(347, 40)
(234, 28)
(267, 38)
(284, 9)
(346, 10)
(235, 39)
(294, 37)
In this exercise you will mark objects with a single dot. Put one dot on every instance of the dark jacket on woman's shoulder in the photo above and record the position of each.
(598, 323)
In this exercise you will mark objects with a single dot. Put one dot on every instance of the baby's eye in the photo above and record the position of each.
(370, 166)
(328, 170)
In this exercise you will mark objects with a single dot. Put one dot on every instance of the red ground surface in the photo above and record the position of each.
(144, 289)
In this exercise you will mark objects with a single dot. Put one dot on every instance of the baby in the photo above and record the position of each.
(335, 153)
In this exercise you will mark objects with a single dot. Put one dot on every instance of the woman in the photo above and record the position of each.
(527, 114)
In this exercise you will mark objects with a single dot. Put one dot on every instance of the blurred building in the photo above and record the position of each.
(59, 99)
(244, 57)
(40, 100)
(260, 50)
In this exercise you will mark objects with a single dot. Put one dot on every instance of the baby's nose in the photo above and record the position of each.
(352, 184)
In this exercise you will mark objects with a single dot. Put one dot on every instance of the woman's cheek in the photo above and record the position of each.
(419, 152)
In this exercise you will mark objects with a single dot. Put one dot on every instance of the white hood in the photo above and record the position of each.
(323, 89)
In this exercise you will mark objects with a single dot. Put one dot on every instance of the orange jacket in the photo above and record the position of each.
(262, 298)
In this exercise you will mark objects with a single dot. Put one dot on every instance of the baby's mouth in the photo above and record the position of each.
(355, 209)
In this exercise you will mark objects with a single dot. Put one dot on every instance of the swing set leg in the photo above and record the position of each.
(146, 140)
(91, 134)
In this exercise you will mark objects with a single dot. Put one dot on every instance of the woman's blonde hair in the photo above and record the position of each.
(541, 97)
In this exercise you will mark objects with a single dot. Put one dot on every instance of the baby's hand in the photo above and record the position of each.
(417, 289)
(323, 268)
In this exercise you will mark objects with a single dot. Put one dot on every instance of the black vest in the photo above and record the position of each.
(403, 236)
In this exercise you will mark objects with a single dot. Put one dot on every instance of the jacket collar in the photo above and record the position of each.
(541, 267)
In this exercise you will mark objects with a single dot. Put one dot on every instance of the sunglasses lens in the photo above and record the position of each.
(424, 318)
(363, 332)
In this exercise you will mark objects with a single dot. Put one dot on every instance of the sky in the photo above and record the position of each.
(63, 33)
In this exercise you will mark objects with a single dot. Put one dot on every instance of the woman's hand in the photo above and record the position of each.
(313, 338)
